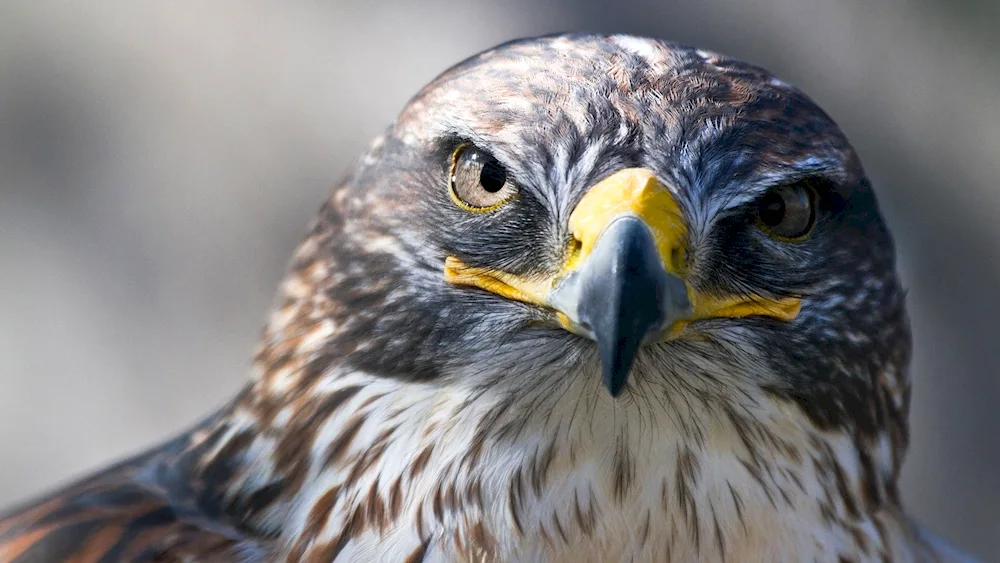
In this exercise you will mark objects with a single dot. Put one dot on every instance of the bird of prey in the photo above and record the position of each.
(588, 298)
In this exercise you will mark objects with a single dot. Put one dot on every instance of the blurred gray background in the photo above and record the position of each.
(159, 160)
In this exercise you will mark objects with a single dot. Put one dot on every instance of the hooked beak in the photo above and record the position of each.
(621, 297)
(622, 284)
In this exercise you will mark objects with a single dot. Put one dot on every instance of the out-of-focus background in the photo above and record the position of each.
(159, 160)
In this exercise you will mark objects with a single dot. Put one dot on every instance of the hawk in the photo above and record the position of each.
(588, 298)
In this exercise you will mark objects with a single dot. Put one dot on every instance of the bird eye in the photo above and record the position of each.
(478, 181)
(788, 212)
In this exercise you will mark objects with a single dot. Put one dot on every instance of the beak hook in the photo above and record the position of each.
(622, 296)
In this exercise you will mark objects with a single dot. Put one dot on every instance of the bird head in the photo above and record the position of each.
(627, 215)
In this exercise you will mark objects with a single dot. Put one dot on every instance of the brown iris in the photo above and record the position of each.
(788, 212)
(478, 182)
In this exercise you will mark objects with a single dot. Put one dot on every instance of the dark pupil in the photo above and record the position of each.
(493, 177)
(772, 210)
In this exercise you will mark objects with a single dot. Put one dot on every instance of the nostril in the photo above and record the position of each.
(676, 260)
(573, 248)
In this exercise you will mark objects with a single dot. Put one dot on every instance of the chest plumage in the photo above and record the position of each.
(466, 475)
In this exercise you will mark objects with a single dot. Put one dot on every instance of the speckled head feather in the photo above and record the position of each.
(396, 414)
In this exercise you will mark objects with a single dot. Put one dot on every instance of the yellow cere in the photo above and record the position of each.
(632, 191)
